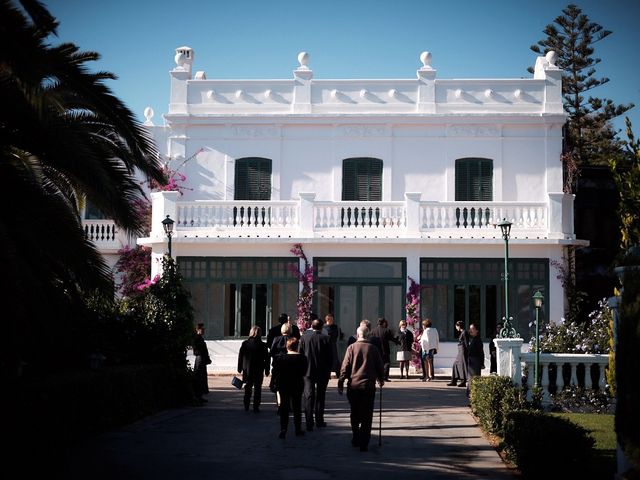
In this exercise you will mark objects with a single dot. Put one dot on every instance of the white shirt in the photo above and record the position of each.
(430, 339)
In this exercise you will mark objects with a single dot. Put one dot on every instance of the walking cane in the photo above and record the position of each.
(380, 423)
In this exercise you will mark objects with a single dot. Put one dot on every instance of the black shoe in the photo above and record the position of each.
(423, 379)
(283, 433)
(450, 384)
(462, 384)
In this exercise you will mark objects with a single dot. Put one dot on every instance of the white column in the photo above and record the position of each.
(306, 213)
(162, 204)
(508, 358)
(412, 201)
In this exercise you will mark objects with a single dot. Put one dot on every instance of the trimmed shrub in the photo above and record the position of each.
(492, 398)
(530, 435)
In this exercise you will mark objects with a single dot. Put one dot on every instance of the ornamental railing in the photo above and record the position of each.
(561, 370)
(103, 233)
(411, 218)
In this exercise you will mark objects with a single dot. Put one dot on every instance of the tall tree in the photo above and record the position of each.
(626, 173)
(64, 139)
(590, 137)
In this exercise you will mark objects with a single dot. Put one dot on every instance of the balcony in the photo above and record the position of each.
(104, 234)
(307, 218)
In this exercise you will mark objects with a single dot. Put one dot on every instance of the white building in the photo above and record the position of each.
(379, 180)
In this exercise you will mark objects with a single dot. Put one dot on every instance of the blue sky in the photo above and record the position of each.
(249, 39)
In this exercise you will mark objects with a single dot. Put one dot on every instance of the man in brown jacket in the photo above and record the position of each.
(361, 367)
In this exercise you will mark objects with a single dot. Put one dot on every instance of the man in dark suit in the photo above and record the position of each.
(316, 346)
(253, 363)
(385, 334)
(476, 354)
(276, 330)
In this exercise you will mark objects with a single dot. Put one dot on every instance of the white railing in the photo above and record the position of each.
(478, 215)
(359, 215)
(559, 360)
(411, 218)
(103, 233)
(239, 214)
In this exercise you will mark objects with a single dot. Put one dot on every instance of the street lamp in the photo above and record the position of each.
(507, 329)
(167, 225)
(538, 301)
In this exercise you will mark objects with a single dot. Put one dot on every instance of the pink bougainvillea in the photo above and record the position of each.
(305, 299)
(412, 308)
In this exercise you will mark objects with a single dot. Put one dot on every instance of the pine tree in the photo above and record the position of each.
(590, 138)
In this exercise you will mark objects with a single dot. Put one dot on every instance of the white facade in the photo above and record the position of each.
(418, 128)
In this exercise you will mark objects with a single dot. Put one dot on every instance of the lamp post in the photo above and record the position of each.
(507, 329)
(538, 301)
(167, 225)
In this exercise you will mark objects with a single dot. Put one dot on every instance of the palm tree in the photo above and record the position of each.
(64, 139)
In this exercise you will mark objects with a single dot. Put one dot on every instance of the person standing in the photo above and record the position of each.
(476, 354)
(253, 363)
(289, 370)
(384, 333)
(316, 346)
(405, 347)
(335, 334)
(276, 330)
(375, 341)
(429, 343)
(493, 354)
(201, 352)
(361, 367)
(459, 369)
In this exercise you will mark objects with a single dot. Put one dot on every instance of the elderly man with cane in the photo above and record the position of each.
(361, 367)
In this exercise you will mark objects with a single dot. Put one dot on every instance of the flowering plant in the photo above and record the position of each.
(412, 308)
(572, 337)
(305, 299)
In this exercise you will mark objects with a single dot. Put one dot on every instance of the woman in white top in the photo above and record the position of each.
(430, 342)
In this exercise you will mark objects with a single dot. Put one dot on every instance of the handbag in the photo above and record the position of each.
(236, 382)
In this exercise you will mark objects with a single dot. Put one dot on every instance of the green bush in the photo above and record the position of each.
(530, 435)
(627, 368)
(492, 398)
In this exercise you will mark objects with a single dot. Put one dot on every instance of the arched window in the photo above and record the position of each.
(252, 179)
(474, 180)
(362, 179)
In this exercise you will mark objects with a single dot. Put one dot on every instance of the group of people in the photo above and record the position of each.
(469, 361)
(301, 366)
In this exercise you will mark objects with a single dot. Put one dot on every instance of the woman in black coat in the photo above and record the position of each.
(460, 365)
(289, 370)
(201, 352)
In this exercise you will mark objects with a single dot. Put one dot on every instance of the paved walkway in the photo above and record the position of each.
(427, 432)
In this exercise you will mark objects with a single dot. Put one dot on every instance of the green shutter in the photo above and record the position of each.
(252, 179)
(474, 180)
(362, 179)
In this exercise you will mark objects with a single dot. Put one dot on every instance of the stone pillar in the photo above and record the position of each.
(302, 85)
(427, 86)
(162, 204)
(306, 213)
(412, 201)
(508, 358)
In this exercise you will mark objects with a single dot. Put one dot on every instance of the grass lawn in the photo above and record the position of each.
(603, 431)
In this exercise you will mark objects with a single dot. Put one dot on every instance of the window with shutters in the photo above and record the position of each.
(474, 180)
(253, 179)
(362, 179)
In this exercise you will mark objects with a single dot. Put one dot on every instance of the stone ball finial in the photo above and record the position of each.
(425, 58)
(303, 60)
(551, 57)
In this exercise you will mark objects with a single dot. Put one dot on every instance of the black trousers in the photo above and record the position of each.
(290, 400)
(386, 360)
(314, 395)
(255, 385)
(361, 401)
